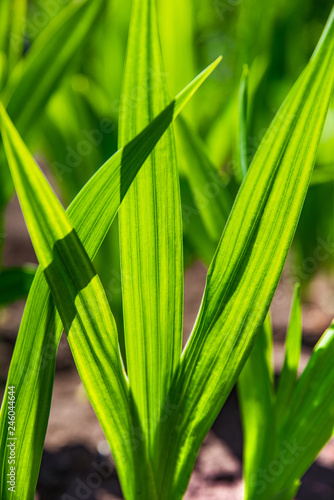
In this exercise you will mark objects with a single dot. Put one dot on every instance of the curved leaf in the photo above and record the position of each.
(248, 263)
(34, 78)
(150, 230)
(32, 367)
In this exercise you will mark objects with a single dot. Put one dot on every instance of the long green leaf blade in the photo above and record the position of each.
(34, 78)
(248, 263)
(177, 43)
(293, 347)
(16, 35)
(5, 10)
(150, 230)
(256, 397)
(58, 43)
(256, 382)
(310, 420)
(33, 363)
(81, 303)
(242, 122)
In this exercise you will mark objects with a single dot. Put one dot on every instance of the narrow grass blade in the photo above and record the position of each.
(242, 122)
(310, 418)
(256, 397)
(3, 65)
(5, 11)
(83, 308)
(32, 367)
(178, 45)
(150, 230)
(256, 382)
(15, 283)
(35, 79)
(221, 136)
(59, 42)
(293, 346)
(207, 186)
(247, 266)
(16, 35)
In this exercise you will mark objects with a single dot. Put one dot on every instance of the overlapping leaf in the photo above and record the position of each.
(33, 363)
(34, 79)
(247, 265)
(80, 300)
(256, 397)
(177, 45)
(256, 382)
(293, 345)
(150, 230)
(263, 410)
(309, 419)
(294, 435)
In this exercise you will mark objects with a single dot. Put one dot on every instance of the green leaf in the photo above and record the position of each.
(5, 11)
(15, 283)
(293, 347)
(221, 135)
(248, 264)
(177, 44)
(150, 230)
(242, 129)
(3, 66)
(196, 241)
(16, 35)
(256, 397)
(256, 382)
(81, 303)
(34, 79)
(32, 367)
(207, 186)
(287, 493)
(309, 422)
(59, 42)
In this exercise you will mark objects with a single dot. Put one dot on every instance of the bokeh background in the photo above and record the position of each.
(76, 131)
